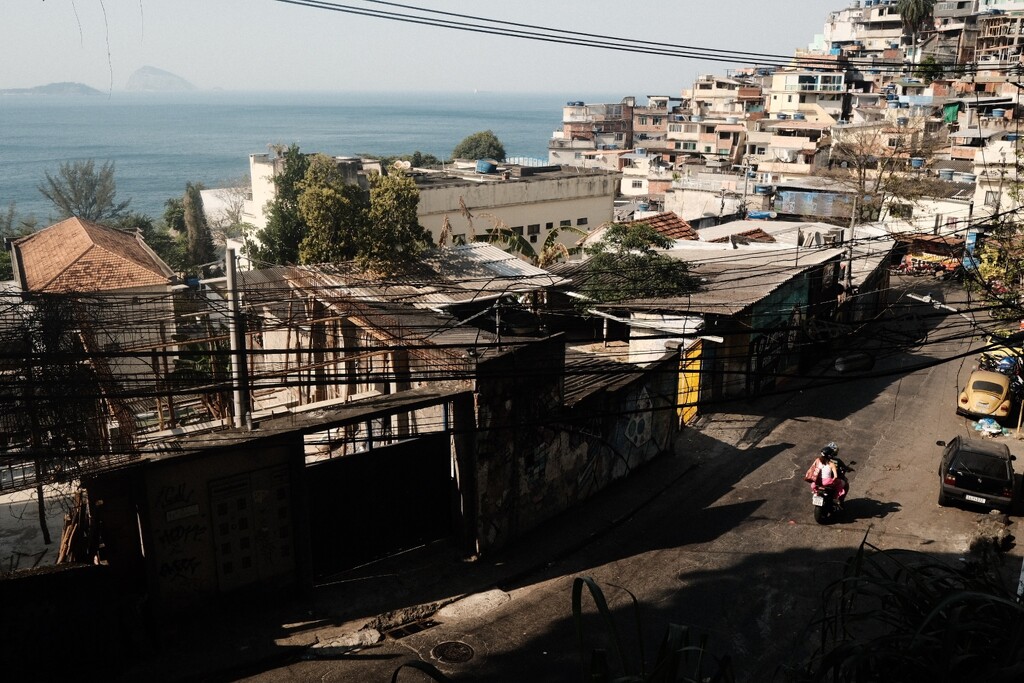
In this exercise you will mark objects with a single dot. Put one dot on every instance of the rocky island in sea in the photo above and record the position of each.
(64, 88)
(152, 79)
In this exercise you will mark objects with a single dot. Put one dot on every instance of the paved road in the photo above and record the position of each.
(726, 542)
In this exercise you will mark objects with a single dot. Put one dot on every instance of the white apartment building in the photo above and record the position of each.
(817, 96)
(529, 200)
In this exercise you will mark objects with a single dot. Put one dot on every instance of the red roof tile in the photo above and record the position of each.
(669, 225)
(82, 256)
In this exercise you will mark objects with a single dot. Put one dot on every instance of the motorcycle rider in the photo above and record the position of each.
(829, 471)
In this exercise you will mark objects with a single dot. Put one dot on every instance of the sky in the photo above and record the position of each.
(268, 45)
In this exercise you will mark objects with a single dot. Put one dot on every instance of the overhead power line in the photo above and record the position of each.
(485, 25)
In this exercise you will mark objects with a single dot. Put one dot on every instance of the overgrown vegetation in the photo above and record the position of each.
(901, 615)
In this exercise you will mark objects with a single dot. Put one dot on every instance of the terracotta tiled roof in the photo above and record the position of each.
(669, 225)
(82, 256)
(756, 235)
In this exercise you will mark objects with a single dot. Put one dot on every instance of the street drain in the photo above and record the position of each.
(409, 629)
(452, 652)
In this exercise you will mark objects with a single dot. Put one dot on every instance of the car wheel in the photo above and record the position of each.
(943, 498)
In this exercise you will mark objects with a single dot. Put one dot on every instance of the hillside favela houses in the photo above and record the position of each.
(240, 428)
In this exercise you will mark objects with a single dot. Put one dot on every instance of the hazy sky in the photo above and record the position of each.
(269, 45)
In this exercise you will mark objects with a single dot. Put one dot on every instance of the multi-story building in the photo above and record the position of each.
(817, 96)
(1000, 38)
(956, 32)
(591, 127)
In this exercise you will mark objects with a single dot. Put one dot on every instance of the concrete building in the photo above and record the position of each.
(819, 97)
(465, 200)
(591, 127)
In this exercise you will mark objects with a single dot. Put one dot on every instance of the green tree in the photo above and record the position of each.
(168, 247)
(279, 241)
(332, 212)
(11, 228)
(79, 190)
(393, 237)
(482, 145)
(199, 240)
(929, 70)
(627, 264)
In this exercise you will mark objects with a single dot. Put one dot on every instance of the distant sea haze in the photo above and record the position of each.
(159, 142)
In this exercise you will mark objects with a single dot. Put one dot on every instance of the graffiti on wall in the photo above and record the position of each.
(180, 535)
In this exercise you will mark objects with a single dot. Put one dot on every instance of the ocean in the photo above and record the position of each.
(159, 142)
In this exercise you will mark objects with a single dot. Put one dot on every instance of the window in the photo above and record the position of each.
(675, 128)
(803, 99)
(533, 238)
(642, 120)
(991, 198)
(565, 223)
(638, 184)
(901, 211)
(691, 146)
(618, 137)
(789, 98)
(518, 230)
(581, 221)
(533, 229)
(548, 226)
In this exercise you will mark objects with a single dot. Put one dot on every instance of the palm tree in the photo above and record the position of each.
(914, 13)
(552, 251)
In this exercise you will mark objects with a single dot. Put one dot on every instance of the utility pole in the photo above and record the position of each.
(236, 333)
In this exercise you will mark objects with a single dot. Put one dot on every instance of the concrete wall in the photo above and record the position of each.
(536, 459)
(216, 523)
(537, 201)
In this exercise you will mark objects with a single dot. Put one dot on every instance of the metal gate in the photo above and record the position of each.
(252, 527)
(369, 505)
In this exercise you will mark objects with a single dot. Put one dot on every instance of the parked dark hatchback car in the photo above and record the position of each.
(976, 472)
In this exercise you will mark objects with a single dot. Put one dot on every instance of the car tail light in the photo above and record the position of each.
(949, 479)
(1007, 492)
(1004, 407)
(963, 398)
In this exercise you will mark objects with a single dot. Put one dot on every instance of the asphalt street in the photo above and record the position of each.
(719, 537)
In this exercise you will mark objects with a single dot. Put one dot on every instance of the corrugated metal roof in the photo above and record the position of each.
(735, 279)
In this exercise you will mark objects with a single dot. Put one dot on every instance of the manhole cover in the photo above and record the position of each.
(453, 652)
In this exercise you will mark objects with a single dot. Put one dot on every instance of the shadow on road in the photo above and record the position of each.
(857, 509)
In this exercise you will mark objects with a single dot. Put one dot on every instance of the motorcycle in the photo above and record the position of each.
(824, 497)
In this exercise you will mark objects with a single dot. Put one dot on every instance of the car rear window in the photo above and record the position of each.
(987, 387)
(980, 464)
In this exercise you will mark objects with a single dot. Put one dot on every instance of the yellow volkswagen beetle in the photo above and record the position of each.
(987, 394)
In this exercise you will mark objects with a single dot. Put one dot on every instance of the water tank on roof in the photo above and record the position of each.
(762, 189)
(783, 117)
(1012, 137)
(799, 116)
(641, 150)
(916, 162)
(486, 166)
(892, 104)
(998, 113)
(945, 174)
